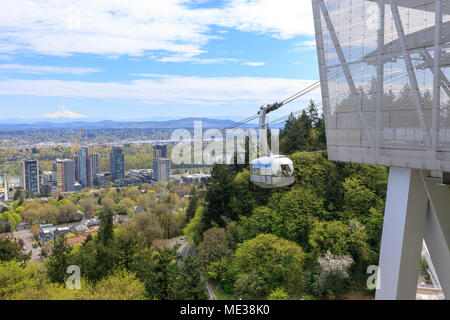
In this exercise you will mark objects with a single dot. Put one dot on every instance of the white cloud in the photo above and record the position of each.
(183, 58)
(167, 89)
(280, 18)
(170, 28)
(254, 64)
(28, 69)
(64, 113)
(304, 46)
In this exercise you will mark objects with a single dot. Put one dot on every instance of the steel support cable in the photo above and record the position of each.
(292, 98)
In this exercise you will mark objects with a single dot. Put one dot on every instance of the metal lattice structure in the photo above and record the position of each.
(384, 68)
(384, 71)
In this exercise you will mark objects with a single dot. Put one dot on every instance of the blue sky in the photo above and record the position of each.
(140, 60)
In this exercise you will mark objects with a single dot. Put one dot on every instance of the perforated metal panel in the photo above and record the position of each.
(386, 93)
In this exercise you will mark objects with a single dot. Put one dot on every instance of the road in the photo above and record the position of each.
(187, 251)
(27, 237)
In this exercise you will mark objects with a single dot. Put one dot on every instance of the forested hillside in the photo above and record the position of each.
(311, 240)
(315, 238)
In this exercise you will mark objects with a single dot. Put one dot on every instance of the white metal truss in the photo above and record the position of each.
(410, 70)
(429, 63)
(436, 75)
(321, 59)
(417, 206)
(345, 67)
(380, 73)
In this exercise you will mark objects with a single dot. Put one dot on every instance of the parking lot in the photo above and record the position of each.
(27, 237)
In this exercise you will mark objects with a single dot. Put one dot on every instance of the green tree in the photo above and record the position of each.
(68, 212)
(11, 250)
(164, 270)
(57, 264)
(294, 213)
(189, 283)
(126, 207)
(218, 198)
(121, 285)
(339, 238)
(195, 227)
(358, 199)
(214, 246)
(49, 213)
(270, 262)
(278, 294)
(144, 226)
(88, 205)
(106, 232)
(15, 277)
(194, 202)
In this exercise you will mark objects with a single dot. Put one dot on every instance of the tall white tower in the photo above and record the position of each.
(5, 181)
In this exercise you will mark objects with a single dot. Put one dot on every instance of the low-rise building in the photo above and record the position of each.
(143, 175)
(196, 178)
(90, 222)
(49, 232)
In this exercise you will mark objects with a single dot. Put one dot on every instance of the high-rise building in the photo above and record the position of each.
(160, 151)
(161, 164)
(117, 161)
(84, 167)
(29, 176)
(161, 169)
(76, 164)
(93, 165)
(65, 175)
(94, 158)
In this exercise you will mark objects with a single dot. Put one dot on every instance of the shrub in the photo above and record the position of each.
(278, 294)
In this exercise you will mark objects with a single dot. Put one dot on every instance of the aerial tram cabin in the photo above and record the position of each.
(271, 171)
(274, 171)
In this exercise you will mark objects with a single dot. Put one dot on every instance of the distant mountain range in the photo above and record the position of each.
(186, 123)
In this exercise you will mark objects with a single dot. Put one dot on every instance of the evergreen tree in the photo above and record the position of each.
(11, 250)
(194, 201)
(218, 198)
(57, 264)
(106, 232)
(313, 113)
(164, 270)
(189, 284)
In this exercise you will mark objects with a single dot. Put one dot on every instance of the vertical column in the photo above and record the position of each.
(380, 75)
(437, 231)
(401, 243)
(436, 76)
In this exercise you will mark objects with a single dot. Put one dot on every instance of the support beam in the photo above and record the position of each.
(401, 243)
(436, 76)
(321, 59)
(437, 230)
(429, 63)
(380, 74)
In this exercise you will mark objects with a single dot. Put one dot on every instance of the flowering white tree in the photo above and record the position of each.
(333, 274)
